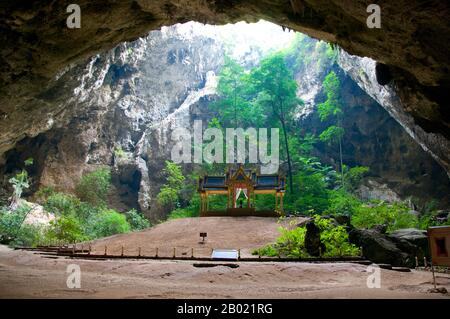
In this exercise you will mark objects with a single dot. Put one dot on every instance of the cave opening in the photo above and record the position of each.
(115, 136)
(133, 97)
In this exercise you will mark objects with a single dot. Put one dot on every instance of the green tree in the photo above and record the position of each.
(169, 193)
(66, 228)
(19, 183)
(233, 106)
(11, 221)
(108, 222)
(94, 187)
(332, 109)
(276, 91)
(136, 220)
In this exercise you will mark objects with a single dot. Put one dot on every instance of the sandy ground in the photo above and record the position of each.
(24, 274)
(245, 233)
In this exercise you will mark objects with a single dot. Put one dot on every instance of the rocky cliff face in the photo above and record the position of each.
(363, 72)
(400, 168)
(413, 42)
(122, 106)
(119, 108)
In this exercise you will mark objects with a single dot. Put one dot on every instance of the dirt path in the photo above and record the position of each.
(24, 274)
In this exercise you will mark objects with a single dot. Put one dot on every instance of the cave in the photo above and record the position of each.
(109, 95)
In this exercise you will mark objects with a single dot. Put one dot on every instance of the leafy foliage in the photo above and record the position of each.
(136, 220)
(66, 228)
(354, 175)
(332, 134)
(395, 216)
(107, 223)
(11, 222)
(119, 152)
(62, 204)
(28, 236)
(291, 242)
(335, 239)
(342, 203)
(94, 187)
(169, 193)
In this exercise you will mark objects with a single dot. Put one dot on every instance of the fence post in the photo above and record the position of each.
(156, 255)
(122, 252)
(174, 252)
(106, 249)
(139, 251)
(192, 252)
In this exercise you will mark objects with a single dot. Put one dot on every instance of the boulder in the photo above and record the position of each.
(413, 241)
(343, 220)
(379, 248)
(380, 228)
(37, 215)
(313, 244)
(398, 248)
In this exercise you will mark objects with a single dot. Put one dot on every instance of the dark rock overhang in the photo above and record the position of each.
(413, 42)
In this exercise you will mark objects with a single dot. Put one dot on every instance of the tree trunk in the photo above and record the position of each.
(342, 164)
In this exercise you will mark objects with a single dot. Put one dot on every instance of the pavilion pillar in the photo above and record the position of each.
(281, 201)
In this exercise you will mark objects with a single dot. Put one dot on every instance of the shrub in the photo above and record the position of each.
(43, 194)
(342, 203)
(335, 239)
(291, 243)
(268, 250)
(395, 216)
(94, 187)
(62, 204)
(354, 176)
(66, 228)
(429, 220)
(84, 211)
(28, 236)
(11, 222)
(192, 210)
(119, 152)
(167, 196)
(107, 223)
(136, 220)
(182, 213)
(312, 195)
(169, 193)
